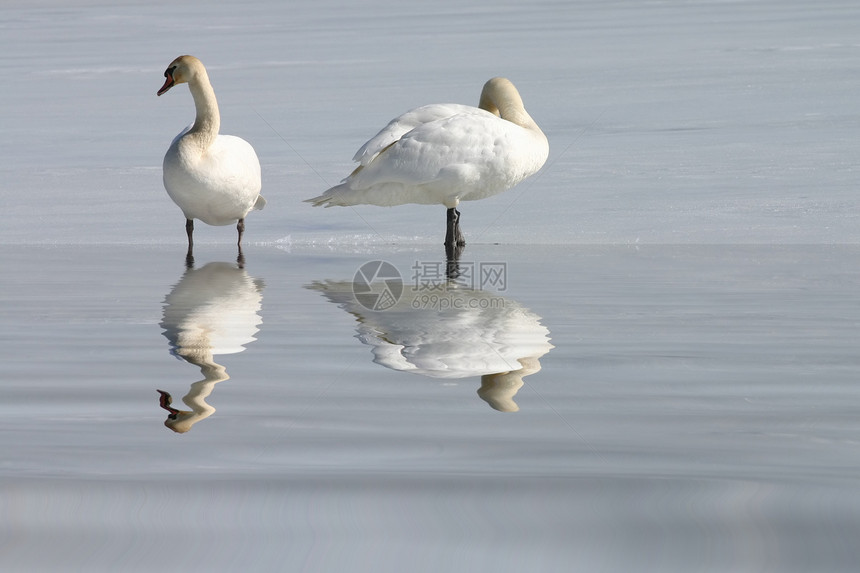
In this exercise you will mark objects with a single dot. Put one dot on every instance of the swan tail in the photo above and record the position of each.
(260, 203)
(336, 196)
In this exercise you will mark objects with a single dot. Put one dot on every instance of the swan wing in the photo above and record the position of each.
(458, 149)
(180, 134)
(218, 187)
(232, 161)
(400, 126)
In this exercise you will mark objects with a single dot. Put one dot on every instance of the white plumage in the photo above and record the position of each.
(446, 153)
(211, 177)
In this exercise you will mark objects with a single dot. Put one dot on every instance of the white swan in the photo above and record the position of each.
(446, 153)
(212, 177)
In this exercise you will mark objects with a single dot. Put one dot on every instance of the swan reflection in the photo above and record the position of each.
(456, 333)
(211, 310)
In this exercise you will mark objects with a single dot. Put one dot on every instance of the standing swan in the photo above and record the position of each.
(446, 153)
(212, 177)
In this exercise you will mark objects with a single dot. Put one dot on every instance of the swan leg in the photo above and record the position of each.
(458, 234)
(189, 230)
(240, 227)
(454, 236)
(452, 260)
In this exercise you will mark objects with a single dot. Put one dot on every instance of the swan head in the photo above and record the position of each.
(495, 93)
(499, 390)
(501, 98)
(176, 419)
(180, 421)
(181, 70)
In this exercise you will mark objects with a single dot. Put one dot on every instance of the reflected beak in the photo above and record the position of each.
(165, 400)
(168, 83)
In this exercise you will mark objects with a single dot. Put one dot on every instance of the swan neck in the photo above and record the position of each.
(196, 398)
(208, 120)
(519, 117)
(508, 105)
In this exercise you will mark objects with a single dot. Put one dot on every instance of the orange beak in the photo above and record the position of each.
(168, 83)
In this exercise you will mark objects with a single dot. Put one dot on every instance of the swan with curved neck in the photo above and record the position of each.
(446, 153)
(212, 177)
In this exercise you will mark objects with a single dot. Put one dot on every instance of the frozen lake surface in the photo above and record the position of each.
(649, 361)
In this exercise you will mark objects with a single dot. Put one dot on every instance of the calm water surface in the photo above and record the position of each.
(678, 408)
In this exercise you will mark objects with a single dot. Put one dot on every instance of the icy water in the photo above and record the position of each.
(647, 360)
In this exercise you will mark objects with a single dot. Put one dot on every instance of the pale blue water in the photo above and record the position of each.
(677, 310)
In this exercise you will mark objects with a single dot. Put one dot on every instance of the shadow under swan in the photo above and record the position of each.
(212, 310)
(471, 333)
